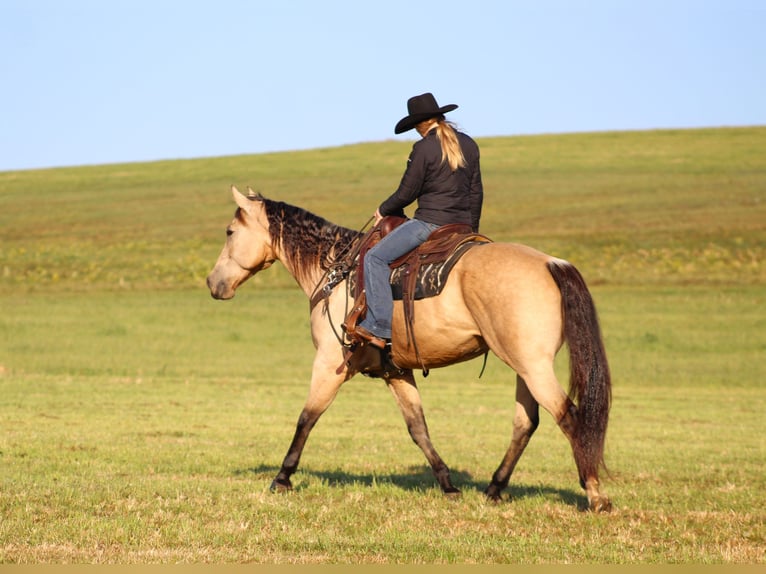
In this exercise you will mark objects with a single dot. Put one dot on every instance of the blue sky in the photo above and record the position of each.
(110, 81)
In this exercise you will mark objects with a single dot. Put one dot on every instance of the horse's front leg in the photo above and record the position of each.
(325, 383)
(406, 393)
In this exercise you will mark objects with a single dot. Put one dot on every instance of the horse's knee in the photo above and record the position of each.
(527, 420)
(568, 421)
(526, 425)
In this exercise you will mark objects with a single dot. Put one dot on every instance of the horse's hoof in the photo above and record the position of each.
(280, 486)
(600, 504)
(493, 494)
(453, 493)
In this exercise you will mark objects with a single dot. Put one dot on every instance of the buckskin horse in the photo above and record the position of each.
(510, 299)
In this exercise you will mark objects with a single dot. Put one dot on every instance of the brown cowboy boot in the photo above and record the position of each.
(362, 334)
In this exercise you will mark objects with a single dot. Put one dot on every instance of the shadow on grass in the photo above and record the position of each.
(421, 479)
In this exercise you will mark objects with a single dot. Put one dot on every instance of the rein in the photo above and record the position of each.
(336, 274)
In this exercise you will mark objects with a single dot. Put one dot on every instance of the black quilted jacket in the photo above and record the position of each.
(443, 196)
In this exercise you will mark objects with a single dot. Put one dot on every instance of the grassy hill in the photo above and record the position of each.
(643, 207)
(142, 422)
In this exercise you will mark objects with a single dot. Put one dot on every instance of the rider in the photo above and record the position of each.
(443, 175)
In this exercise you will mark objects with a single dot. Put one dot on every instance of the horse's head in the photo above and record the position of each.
(247, 250)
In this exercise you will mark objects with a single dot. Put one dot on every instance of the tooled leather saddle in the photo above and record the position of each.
(419, 274)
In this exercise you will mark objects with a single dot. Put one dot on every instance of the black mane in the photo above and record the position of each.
(307, 240)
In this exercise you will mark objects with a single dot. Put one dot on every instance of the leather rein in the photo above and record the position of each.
(338, 272)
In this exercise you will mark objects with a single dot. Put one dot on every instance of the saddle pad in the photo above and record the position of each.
(432, 276)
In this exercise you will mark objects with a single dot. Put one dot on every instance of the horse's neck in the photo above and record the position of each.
(305, 277)
(308, 282)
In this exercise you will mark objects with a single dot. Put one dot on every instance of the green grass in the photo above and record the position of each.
(142, 422)
(140, 463)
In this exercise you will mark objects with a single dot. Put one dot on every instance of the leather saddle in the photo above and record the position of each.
(415, 275)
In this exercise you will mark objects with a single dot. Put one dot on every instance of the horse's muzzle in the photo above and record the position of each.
(219, 289)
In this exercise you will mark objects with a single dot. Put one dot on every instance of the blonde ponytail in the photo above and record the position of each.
(445, 131)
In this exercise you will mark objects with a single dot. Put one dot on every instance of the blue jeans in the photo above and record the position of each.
(377, 275)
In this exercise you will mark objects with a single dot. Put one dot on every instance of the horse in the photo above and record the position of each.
(517, 302)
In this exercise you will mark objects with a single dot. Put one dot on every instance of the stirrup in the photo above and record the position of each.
(355, 315)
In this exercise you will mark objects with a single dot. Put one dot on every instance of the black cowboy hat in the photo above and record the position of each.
(421, 108)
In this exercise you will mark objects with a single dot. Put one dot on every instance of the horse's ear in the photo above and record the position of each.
(240, 199)
(253, 195)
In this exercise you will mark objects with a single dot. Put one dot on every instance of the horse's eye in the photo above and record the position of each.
(229, 231)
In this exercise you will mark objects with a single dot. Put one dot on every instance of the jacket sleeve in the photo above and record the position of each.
(411, 185)
(477, 196)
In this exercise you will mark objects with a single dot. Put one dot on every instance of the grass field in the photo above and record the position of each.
(142, 422)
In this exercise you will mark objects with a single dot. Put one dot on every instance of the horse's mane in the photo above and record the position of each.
(307, 240)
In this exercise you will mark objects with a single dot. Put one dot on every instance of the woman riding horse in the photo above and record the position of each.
(444, 176)
(515, 301)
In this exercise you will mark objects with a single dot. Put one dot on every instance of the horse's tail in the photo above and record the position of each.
(590, 386)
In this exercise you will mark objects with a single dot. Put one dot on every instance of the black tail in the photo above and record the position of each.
(590, 384)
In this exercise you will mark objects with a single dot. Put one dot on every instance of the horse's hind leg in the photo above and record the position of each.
(586, 467)
(525, 423)
(406, 393)
(546, 390)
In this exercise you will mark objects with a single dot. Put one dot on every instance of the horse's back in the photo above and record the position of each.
(504, 268)
(507, 256)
